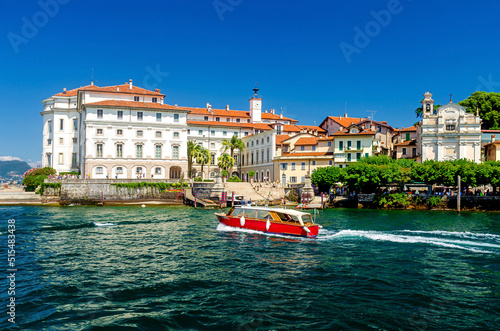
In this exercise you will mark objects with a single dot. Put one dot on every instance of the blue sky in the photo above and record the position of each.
(215, 51)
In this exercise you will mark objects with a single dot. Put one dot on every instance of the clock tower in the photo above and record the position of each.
(256, 107)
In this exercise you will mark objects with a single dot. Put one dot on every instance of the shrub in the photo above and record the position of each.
(235, 179)
(197, 179)
(224, 173)
(433, 202)
(251, 173)
(32, 182)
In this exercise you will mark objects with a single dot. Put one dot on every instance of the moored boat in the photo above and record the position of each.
(270, 220)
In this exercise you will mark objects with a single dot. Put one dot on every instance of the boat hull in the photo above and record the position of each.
(274, 227)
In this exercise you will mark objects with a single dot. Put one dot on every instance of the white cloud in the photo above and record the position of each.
(35, 164)
(10, 158)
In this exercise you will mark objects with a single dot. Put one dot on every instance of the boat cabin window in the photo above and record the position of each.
(237, 212)
(264, 214)
(288, 218)
(307, 219)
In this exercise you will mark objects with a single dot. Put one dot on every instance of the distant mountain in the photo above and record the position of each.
(11, 169)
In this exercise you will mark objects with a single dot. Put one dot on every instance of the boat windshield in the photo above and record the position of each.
(288, 218)
(307, 218)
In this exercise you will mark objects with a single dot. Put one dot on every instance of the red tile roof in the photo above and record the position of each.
(131, 104)
(407, 143)
(306, 141)
(280, 138)
(345, 121)
(123, 88)
(492, 143)
(411, 128)
(257, 126)
(312, 127)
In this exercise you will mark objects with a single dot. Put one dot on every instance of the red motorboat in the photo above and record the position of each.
(270, 220)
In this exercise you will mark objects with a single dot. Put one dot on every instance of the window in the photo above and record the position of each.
(293, 165)
(302, 148)
(450, 127)
(188, 131)
(119, 150)
(75, 124)
(61, 124)
(238, 120)
(404, 151)
(267, 155)
(262, 141)
(341, 145)
(330, 162)
(293, 179)
(61, 158)
(73, 160)
(262, 158)
(158, 117)
(138, 170)
(49, 142)
(414, 152)
(155, 100)
(99, 113)
(358, 156)
(98, 170)
(407, 136)
(175, 152)
(329, 144)
(246, 133)
(212, 145)
(302, 179)
(348, 157)
(119, 132)
(158, 151)
(313, 162)
(61, 141)
(49, 159)
(49, 125)
(283, 166)
(341, 166)
(176, 118)
(366, 154)
(158, 134)
(212, 160)
(99, 131)
(228, 120)
(248, 120)
(200, 132)
(257, 157)
(98, 150)
(139, 115)
(268, 139)
(349, 144)
(252, 158)
(138, 151)
(119, 114)
(176, 134)
(157, 171)
(235, 134)
(303, 166)
(75, 140)
(314, 148)
(217, 119)
(136, 98)
(212, 133)
(139, 133)
(358, 144)
(205, 118)
(224, 133)
(119, 170)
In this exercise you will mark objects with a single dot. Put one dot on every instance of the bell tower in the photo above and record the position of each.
(428, 105)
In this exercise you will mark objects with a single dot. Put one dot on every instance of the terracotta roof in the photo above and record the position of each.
(131, 104)
(311, 127)
(257, 126)
(345, 121)
(291, 128)
(383, 123)
(123, 88)
(269, 116)
(411, 128)
(412, 142)
(492, 143)
(280, 138)
(343, 133)
(326, 138)
(307, 154)
(306, 141)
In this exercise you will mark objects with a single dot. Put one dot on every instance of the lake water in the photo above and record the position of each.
(85, 268)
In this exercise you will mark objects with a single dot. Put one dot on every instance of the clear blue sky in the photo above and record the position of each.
(215, 51)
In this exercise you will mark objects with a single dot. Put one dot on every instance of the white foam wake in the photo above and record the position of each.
(103, 224)
(435, 238)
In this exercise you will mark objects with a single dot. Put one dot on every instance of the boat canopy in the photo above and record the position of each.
(264, 213)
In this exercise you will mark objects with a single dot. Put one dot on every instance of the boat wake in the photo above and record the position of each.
(474, 242)
(103, 224)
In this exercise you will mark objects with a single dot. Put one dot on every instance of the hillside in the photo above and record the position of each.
(11, 169)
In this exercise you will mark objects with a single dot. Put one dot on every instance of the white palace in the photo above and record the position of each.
(124, 131)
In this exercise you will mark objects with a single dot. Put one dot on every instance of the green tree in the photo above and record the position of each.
(232, 144)
(225, 161)
(363, 177)
(203, 157)
(192, 149)
(488, 105)
(327, 176)
(34, 178)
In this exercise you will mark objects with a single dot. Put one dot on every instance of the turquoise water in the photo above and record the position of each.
(86, 268)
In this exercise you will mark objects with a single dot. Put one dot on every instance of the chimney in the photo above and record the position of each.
(209, 106)
(130, 83)
(118, 89)
(64, 90)
(227, 107)
(157, 90)
(492, 138)
(271, 111)
(372, 127)
(345, 115)
(281, 115)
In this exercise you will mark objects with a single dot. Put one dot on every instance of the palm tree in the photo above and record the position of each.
(192, 150)
(225, 161)
(203, 157)
(232, 144)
